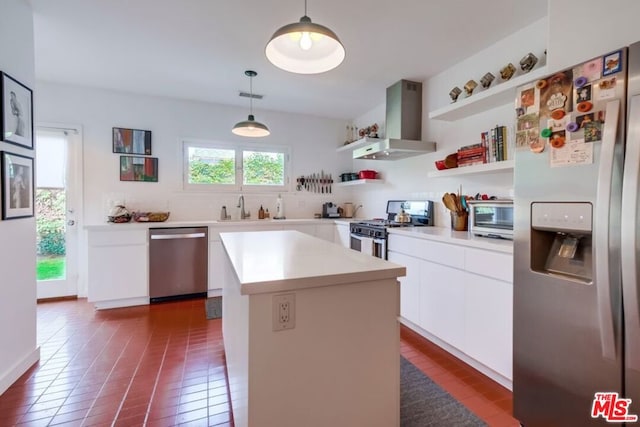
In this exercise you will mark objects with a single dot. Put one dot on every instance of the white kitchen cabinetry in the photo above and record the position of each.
(488, 307)
(464, 300)
(409, 286)
(441, 300)
(341, 234)
(118, 267)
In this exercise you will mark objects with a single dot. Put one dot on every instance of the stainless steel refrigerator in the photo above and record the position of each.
(576, 244)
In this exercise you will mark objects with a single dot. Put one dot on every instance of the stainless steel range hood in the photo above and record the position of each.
(403, 126)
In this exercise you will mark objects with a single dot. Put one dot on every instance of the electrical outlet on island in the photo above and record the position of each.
(284, 312)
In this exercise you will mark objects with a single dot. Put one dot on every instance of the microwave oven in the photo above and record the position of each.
(491, 218)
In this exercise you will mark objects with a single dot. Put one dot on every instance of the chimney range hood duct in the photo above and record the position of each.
(403, 125)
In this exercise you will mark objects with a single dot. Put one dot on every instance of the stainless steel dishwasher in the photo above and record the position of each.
(178, 262)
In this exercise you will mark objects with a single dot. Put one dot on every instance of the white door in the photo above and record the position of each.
(57, 193)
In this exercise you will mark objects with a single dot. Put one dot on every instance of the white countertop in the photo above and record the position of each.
(446, 235)
(275, 261)
(109, 226)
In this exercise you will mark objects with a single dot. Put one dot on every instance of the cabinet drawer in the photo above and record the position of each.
(117, 238)
(490, 264)
(441, 253)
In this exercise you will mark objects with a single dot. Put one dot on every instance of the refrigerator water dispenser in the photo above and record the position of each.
(561, 240)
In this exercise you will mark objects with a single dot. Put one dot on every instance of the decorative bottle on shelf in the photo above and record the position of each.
(261, 213)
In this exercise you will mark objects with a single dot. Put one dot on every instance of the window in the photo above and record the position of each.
(220, 167)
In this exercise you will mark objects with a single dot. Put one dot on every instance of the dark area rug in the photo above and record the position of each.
(214, 307)
(423, 403)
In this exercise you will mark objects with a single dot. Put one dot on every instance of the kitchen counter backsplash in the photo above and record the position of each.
(207, 206)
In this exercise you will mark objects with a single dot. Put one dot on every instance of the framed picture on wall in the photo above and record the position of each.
(17, 112)
(17, 185)
(136, 168)
(132, 141)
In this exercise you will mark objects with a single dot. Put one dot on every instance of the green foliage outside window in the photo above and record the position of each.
(263, 168)
(50, 219)
(221, 172)
(217, 166)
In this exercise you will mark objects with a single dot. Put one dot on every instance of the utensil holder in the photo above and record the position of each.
(460, 221)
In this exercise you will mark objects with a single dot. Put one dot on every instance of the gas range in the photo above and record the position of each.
(421, 213)
(377, 227)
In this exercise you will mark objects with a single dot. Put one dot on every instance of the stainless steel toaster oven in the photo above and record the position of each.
(491, 218)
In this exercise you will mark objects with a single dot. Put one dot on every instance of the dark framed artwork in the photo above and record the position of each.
(132, 141)
(17, 112)
(17, 185)
(136, 168)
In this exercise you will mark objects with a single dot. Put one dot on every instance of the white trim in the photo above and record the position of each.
(118, 303)
(18, 369)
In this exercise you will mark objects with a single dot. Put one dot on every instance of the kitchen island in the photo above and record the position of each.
(311, 332)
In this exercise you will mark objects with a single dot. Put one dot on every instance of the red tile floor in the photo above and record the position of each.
(164, 365)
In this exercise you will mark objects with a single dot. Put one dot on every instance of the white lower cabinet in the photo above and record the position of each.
(442, 295)
(341, 235)
(488, 306)
(118, 265)
(216, 267)
(463, 299)
(409, 286)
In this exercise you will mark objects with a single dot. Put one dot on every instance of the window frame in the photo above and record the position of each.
(239, 149)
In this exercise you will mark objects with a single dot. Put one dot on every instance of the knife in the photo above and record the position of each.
(322, 181)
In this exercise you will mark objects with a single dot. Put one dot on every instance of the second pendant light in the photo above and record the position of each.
(250, 127)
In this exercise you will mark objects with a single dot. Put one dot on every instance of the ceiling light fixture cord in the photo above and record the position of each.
(251, 94)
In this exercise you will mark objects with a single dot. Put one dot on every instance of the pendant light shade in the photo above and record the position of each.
(250, 127)
(305, 48)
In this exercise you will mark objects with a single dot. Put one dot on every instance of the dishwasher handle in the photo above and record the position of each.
(177, 236)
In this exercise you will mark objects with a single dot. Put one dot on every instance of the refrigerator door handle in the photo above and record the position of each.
(629, 243)
(601, 230)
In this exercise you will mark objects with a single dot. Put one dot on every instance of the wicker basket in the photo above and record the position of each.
(150, 216)
(120, 218)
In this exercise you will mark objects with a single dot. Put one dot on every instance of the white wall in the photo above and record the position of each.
(312, 141)
(580, 30)
(408, 178)
(18, 348)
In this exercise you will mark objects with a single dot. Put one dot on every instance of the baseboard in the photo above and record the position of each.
(18, 369)
(57, 299)
(485, 370)
(119, 303)
(214, 293)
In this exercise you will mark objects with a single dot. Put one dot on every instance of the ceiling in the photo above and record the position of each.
(199, 49)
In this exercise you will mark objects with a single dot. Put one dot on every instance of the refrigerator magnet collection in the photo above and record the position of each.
(576, 317)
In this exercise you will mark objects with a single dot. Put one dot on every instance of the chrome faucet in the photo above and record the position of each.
(243, 214)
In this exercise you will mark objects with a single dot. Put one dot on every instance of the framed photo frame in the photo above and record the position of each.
(137, 168)
(17, 185)
(17, 112)
(131, 141)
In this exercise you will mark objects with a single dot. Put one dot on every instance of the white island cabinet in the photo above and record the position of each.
(310, 331)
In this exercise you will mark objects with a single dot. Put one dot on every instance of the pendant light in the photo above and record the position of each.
(250, 127)
(305, 48)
